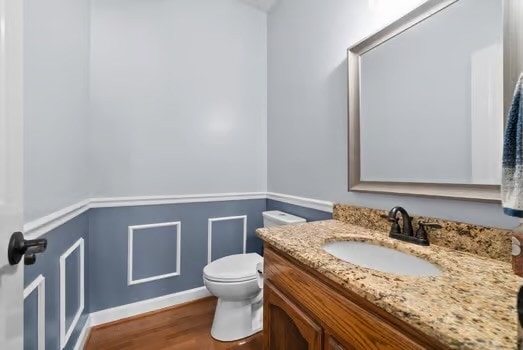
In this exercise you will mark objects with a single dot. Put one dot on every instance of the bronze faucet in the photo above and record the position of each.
(408, 235)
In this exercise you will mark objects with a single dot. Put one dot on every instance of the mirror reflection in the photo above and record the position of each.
(431, 99)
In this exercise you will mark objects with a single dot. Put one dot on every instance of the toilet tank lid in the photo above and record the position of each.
(282, 217)
(233, 267)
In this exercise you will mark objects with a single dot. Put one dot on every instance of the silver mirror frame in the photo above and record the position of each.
(513, 65)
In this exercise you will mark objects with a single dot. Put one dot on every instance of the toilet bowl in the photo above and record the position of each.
(233, 280)
(237, 282)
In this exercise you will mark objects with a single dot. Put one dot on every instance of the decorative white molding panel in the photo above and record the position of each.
(39, 285)
(130, 279)
(65, 333)
(209, 233)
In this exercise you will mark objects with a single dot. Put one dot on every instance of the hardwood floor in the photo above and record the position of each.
(184, 327)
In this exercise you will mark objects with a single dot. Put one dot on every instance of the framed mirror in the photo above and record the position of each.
(427, 98)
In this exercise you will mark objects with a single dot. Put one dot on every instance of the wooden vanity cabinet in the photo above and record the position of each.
(303, 310)
(332, 344)
(287, 326)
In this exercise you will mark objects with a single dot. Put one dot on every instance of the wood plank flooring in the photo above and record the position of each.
(184, 327)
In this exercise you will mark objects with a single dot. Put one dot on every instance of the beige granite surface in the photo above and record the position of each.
(494, 243)
(471, 305)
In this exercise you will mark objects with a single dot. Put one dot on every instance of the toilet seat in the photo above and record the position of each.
(233, 268)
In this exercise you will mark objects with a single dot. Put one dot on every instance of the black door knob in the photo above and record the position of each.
(18, 246)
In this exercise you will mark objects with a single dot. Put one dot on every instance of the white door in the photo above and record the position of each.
(11, 176)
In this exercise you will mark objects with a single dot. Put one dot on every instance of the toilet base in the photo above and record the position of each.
(235, 320)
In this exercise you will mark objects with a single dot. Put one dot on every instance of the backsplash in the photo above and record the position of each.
(487, 242)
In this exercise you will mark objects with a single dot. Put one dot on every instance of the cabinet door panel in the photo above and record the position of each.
(332, 344)
(286, 326)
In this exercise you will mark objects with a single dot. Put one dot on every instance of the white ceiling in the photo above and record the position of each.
(264, 5)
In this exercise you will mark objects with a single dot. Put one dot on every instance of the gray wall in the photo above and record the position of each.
(178, 97)
(47, 264)
(307, 106)
(136, 97)
(56, 104)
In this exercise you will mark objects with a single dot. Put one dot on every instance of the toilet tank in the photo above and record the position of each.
(277, 218)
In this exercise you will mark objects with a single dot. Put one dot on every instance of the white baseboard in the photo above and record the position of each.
(82, 338)
(141, 307)
(135, 309)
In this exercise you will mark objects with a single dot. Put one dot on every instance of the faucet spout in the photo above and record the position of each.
(407, 222)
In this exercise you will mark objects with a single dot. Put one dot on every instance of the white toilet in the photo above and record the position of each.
(235, 281)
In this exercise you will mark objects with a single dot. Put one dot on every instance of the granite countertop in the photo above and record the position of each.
(471, 305)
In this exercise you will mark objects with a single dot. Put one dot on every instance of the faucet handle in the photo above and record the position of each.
(421, 233)
(425, 224)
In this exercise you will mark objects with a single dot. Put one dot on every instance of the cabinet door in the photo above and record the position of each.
(332, 344)
(286, 326)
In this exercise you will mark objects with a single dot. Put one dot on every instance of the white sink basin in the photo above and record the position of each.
(380, 258)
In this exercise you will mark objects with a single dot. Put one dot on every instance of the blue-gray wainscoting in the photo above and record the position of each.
(108, 246)
(48, 265)
(155, 229)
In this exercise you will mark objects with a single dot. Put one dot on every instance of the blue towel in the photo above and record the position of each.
(512, 177)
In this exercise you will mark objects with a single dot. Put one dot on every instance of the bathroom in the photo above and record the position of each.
(149, 139)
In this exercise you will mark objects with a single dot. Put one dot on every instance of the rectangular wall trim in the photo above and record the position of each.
(41, 226)
(134, 309)
(65, 333)
(132, 229)
(39, 285)
(209, 233)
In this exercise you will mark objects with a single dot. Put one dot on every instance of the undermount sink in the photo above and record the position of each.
(376, 257)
